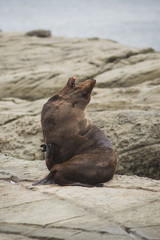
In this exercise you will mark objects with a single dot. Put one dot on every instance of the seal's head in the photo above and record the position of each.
(78, 95)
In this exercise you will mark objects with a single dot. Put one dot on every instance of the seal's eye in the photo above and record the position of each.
(72, 85)
(84, 94)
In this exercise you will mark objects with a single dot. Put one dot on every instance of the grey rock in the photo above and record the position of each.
(128, 115)
(127, 207)
(39, 33)
(148, 232)
(7, 236)
(44, 65)
(125, 105)
(135, 135)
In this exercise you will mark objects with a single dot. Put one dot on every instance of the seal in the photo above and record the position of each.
(77, 152)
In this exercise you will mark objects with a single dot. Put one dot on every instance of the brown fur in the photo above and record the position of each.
(77, 152)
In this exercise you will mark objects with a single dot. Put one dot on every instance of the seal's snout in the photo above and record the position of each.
(93, 80)
(89, 84)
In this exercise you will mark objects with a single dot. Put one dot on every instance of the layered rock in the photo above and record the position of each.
(125, 105)
(126, 208)
(126, 96)
(39, 33)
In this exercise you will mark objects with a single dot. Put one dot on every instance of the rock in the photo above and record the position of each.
(125, 105)
(135, 135)
(127, 207)
(125, 102)
(128, 76)
(24, 138)
(42, 67)
(39, 33)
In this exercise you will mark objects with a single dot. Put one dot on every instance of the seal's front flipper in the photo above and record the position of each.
(43, 146)
(44, 181)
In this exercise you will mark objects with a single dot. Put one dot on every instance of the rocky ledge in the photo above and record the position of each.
(125, 208)
(126, 96)
(125, 105)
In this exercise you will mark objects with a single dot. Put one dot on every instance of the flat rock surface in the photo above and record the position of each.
(125, 105)
(127, 207)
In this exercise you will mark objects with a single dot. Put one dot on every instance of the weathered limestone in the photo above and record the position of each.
(34, 68)
(39, 33)
(134, 133)
(125, 105)
(21, 133)
(136, 137)
(126, 95)
(125, 208)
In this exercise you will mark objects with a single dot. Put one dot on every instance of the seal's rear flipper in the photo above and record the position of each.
(44, 181)
(85, 185)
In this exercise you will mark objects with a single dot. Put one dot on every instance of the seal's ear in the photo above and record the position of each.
(71, 82)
